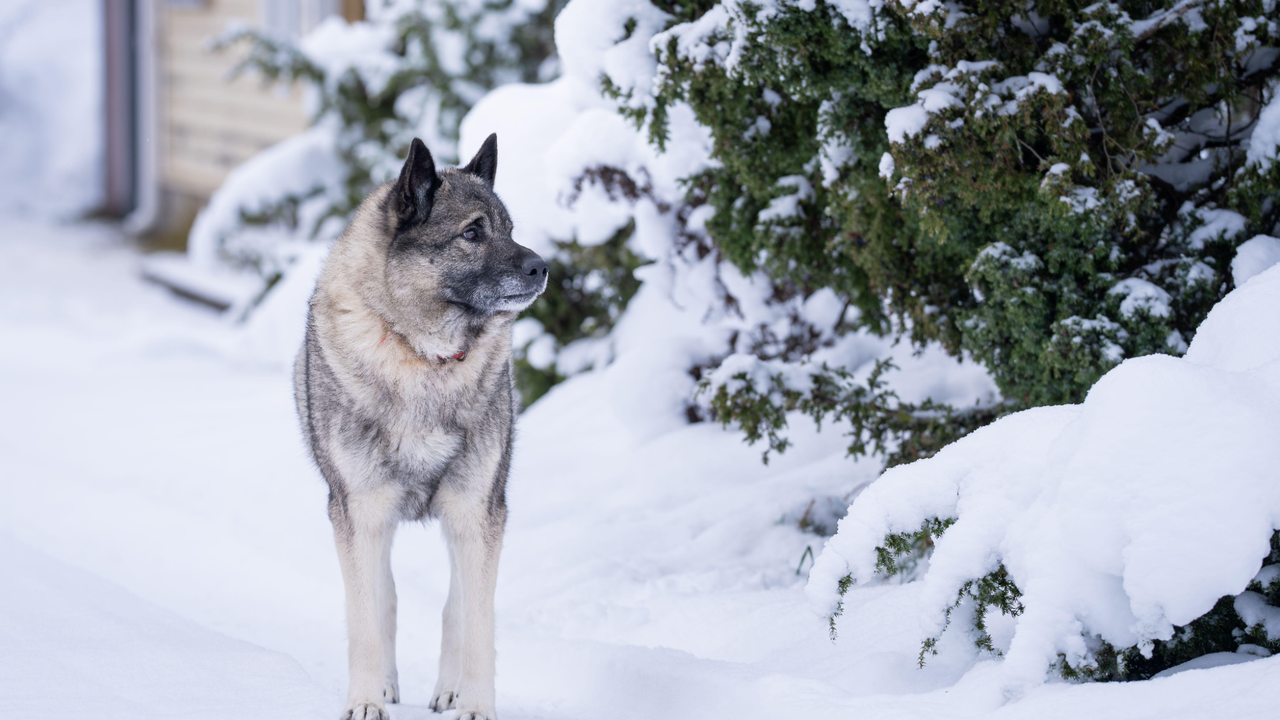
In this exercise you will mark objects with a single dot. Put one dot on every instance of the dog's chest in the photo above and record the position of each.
(424, 451)
(420, 442)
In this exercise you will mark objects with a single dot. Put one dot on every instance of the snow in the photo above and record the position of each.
(1265, 140)
(887, 166)
(1254, 610)
(303, 164)
(220, 286)
(1082, 199)
(1142, 295)
(904, 122)
(860, 14)
(168, 539)
(1102, 325)
(958, 88)
(116, 656)
(338, 47)
(787, 206)
(1001, 252)
(908, 121)
(588, 52)
(1216, 225)
(1211, 660)
(1120, 517)
(1253, 256)
(51, 160)
(1242, 332)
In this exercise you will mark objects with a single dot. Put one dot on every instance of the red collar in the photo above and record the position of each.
(459, 356)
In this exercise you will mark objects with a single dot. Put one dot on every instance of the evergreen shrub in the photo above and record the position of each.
(1049, 188)
(1046, 187)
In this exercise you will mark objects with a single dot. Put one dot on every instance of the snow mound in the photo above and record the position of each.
(116, 656)
(1254, 256)
(1242, 332)
(1121, 517)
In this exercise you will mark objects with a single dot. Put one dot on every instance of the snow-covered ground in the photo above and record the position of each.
(165, 550)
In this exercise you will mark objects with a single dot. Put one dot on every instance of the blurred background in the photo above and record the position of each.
(125, 111)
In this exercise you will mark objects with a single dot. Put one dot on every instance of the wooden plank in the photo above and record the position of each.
(217, 156)
(212, 124)
(239, 113)
(250, 97)
(219, 80)
(207, 142)
(194, 178)
(258, 135)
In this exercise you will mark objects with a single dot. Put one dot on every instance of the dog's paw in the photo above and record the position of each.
(391, 690)
(476, 715)
(443, 701)
(366, 711)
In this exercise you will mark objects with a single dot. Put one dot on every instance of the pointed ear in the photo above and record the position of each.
(415, 191)
(485, 164)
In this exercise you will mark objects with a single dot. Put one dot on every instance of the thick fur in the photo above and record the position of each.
(405, 394)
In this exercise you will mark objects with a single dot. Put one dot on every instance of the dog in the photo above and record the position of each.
(405, 394)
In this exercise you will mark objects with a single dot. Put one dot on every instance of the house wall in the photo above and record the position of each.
(206, 123)
(211, 125)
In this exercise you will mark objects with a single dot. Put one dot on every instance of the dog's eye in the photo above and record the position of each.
(471, 234)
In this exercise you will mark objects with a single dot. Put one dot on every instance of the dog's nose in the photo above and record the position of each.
(533, 265)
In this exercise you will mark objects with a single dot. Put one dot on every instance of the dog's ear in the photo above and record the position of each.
(415, 191)
(485, 164)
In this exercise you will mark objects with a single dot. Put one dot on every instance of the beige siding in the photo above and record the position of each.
(210, 124)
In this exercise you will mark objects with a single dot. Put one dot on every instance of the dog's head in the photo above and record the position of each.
(452, 243)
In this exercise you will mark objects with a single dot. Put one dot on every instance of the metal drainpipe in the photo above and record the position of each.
(146, 211)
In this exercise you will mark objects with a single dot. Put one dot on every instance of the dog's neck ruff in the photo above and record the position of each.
(459, 356)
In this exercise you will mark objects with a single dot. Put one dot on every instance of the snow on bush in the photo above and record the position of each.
(1107, 526)
(289, 183)
(1254, 256)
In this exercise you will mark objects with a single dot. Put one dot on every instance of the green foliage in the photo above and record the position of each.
(1011, 218)
(845, 583)
(771, 118)
(588, 287)
(878, 422)
(993, 590)
(899, 557)
(901, 553)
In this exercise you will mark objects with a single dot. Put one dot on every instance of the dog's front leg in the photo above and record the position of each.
(450, 638)
(387, 622)
(474, 534)
(363, 527)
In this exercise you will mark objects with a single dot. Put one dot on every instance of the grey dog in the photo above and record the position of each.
(404, 389)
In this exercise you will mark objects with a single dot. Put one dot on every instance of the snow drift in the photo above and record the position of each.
(1120, 518)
